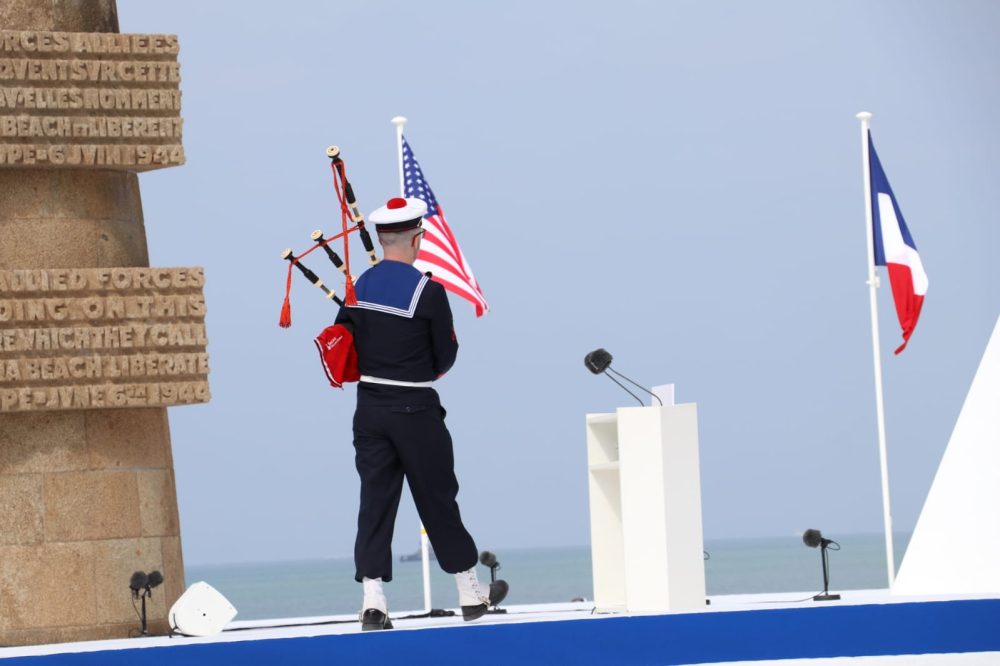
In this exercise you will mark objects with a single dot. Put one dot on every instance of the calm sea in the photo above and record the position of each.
(303, 588)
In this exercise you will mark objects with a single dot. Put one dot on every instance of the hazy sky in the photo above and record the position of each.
(678, 182)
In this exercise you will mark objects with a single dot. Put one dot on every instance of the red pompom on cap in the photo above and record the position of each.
(396, 203)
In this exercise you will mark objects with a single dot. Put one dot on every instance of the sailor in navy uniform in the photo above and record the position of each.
(405, 340)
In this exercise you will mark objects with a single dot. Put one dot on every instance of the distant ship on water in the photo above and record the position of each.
(415, 557)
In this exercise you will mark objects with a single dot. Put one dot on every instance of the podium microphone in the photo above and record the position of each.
(599, 361)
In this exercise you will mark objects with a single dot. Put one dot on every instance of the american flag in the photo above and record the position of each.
(439, 251)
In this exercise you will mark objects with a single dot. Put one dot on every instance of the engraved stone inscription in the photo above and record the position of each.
(77, 100)
(102, 337)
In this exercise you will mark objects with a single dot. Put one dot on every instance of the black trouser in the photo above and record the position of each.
(411, 441)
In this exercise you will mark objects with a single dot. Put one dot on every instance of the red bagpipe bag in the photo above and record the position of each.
(337, 353)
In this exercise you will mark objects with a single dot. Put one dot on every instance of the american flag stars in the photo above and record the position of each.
(416, 186)
(439, 250)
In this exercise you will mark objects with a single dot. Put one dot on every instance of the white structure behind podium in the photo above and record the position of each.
(645, 509)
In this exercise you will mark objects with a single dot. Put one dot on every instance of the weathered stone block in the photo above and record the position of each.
(158, 503)
(48, 585)
(42, 442)
(167, 442)
(173, 569)
(85, 15)
(21, 15)
(91, 505)
(25, 194)
(47, 243)
(134, 198)
(121, 243)
(128, 438)
(22, 509)
(91, 195)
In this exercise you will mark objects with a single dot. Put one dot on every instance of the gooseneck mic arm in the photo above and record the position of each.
(629, 380)
(599, 362)
(637, 398)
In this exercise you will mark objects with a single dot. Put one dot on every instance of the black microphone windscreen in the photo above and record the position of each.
(138, 581)
(812, 538)
(597, 361)
(155, 578)
(488, 559)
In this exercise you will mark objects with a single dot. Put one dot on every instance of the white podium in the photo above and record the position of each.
(645, 509)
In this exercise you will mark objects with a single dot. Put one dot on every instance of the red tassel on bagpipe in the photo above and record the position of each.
(349, 296)
(285, 321)
(286, 315)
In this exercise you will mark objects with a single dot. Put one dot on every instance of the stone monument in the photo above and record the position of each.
(94, 344)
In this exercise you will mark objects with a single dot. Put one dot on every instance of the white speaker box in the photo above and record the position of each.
(201, 611)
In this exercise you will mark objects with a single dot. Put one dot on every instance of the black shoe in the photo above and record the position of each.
(375, 620)
(498, 592)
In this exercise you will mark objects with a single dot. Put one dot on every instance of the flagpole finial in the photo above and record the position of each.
(399, 121)
(864, 115)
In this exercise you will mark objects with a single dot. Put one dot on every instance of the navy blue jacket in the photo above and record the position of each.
(403, 330)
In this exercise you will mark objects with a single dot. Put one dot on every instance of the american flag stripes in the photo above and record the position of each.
(439, 251)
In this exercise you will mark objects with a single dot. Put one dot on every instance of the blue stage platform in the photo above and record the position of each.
(729, 631)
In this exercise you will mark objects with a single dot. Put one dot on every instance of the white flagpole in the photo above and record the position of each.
(873, 284)
(399, 121)
(425, 559)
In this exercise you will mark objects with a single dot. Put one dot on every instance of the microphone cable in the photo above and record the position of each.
(634, 384)
(623, 387)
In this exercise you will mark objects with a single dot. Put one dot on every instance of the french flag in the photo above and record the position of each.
(895, 249)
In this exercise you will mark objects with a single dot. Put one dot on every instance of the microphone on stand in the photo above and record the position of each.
(814, 538)
(138, 581)
(142, 585)
(488, 559)
(599, 361)
(155, 578)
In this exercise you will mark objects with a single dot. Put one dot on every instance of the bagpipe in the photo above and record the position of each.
(335, 343)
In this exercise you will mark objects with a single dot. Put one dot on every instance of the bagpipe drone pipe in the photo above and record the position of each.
(349, 214)
(335, 343)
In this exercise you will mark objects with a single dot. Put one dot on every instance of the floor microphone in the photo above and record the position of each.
(155, 578)
(137, 582)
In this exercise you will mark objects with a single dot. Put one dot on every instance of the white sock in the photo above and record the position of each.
(374, 596)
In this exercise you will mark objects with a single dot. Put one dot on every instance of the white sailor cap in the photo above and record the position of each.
(399, 215)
